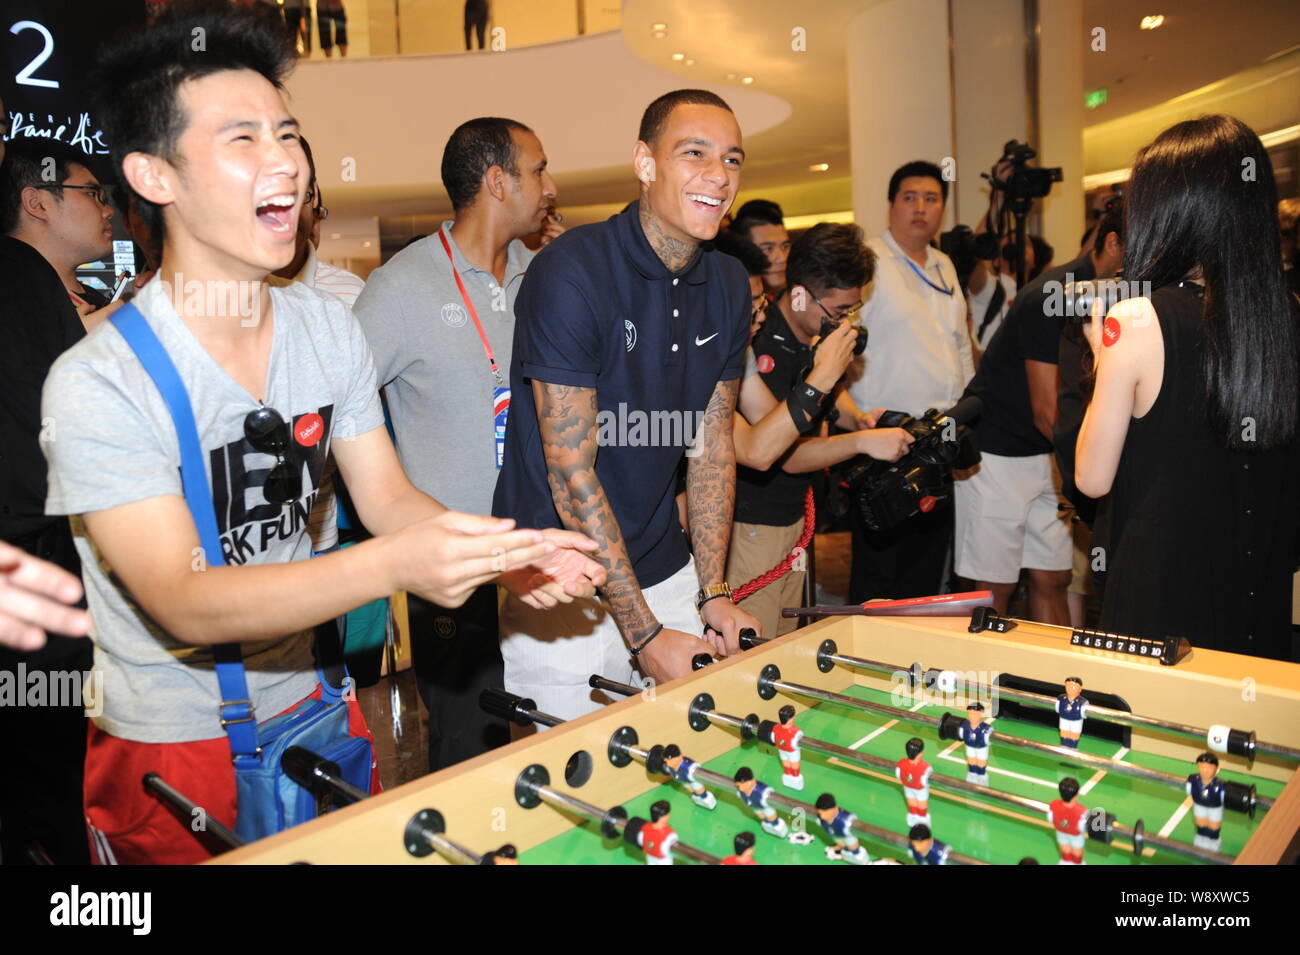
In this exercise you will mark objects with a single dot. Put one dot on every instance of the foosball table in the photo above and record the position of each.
(804, 750)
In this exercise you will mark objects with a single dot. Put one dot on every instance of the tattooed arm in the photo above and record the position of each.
(567, 418)
(710, 502)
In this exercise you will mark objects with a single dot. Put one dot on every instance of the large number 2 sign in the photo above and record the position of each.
(24, 76)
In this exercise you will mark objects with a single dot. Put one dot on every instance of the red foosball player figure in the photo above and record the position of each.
(838, 824)
(1068, 817)
(786, 736)
(974, 733)
(1071, 707)
(1207, 791)
(683, 771)
(914, 773)
(744, 846)
(755, 795)
(656, 837)
(925, 848)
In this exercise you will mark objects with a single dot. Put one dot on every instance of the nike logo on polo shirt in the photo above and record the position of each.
(702, 341)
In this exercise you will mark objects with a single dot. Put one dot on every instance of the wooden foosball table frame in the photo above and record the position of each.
(477, 798)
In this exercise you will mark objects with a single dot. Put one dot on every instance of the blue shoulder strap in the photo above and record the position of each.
(236, 709)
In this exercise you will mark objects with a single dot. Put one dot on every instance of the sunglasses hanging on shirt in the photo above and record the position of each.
(268, 433)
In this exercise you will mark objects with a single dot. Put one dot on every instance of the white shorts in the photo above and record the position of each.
(792, 757)
(1069, 841)
(1214, 814)
(982, 753)
(917, 795)
(1071, 726)
(550, 654)
(1008, 517)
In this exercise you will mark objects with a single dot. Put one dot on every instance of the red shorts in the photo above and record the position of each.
(128, 825)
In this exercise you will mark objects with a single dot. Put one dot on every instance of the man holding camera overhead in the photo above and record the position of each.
(918, 357)
(828, 267)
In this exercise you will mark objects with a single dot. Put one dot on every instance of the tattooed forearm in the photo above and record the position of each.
(567, 416)
(674, 253)
(711, 485)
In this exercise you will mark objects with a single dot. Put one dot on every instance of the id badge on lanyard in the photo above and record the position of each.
(500, 411)
(501, 392)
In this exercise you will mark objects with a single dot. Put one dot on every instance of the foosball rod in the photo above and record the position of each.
(178, 801)
(1243, 798)
(312, 772)
(623, 749)
(424, 835)
(1236, 742)
(1101, 829)
(533, 787)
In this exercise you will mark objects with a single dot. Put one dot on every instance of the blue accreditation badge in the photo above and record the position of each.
(500, 411)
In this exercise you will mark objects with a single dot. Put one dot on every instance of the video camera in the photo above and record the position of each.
(888, 494)
(1025, 182)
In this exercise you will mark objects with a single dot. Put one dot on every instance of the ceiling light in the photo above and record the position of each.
(679, 56)
(819, 167)
(658, 26)
(731, 76)
(366, 244)
(688, 61)
(660, 34)
(1152, 22)
(747, 80)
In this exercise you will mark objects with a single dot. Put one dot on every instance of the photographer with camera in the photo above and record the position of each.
(799, 356)
(1009, 509)
(919, 357)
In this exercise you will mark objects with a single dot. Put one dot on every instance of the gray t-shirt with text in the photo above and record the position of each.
(112, 442)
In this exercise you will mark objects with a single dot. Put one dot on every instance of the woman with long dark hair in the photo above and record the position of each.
(1192, 430)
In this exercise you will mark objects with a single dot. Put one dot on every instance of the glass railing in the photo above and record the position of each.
(363, 28)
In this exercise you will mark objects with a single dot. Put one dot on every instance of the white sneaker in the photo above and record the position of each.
(857, 856)
(705, 799)
(792, 782)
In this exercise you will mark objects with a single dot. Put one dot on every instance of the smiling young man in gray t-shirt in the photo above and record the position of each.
(203, 138)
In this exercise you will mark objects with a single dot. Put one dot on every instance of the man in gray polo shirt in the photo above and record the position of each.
(439, 318)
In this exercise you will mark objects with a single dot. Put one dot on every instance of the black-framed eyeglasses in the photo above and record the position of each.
(842, 316)
(268, 433)
(99, 192)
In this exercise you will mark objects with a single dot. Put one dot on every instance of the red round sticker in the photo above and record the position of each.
(766, 363)
(1110, 331)
(309, 429)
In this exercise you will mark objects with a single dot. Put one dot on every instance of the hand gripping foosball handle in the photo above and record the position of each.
(701, 660)
(749, 638)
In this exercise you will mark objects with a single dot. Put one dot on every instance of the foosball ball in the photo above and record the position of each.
(870, 740)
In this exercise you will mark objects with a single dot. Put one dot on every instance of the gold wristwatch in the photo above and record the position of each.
(708, 593)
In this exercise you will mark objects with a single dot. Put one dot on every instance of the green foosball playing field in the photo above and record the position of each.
(969, 825)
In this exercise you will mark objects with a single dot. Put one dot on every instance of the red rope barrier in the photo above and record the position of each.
(781, 569)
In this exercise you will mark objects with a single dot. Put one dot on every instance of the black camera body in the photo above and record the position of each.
(888, 494)
(829, 325)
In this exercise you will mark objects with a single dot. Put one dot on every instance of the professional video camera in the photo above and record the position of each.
(888, 494)
(1025, 182)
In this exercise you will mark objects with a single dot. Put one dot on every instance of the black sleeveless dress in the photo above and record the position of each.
(1200, 540)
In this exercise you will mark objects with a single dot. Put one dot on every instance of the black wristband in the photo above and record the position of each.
(646, 642)
(804, 399)
(700, 608)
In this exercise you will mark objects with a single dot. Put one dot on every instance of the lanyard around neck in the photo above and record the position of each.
(942, 289)
(469, 306)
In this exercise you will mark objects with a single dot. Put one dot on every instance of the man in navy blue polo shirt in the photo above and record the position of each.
(629, 348)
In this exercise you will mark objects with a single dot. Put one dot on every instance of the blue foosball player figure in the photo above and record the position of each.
(756, 796)
(1071, 707)
(683, 770)
(838, 824)
(974, 732)
(924, 847)
(1207, 791)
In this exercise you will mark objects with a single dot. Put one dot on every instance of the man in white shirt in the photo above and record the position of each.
(918, 357)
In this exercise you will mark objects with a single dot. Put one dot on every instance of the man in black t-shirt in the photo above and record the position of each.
(1009, 509)
(827, 269)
